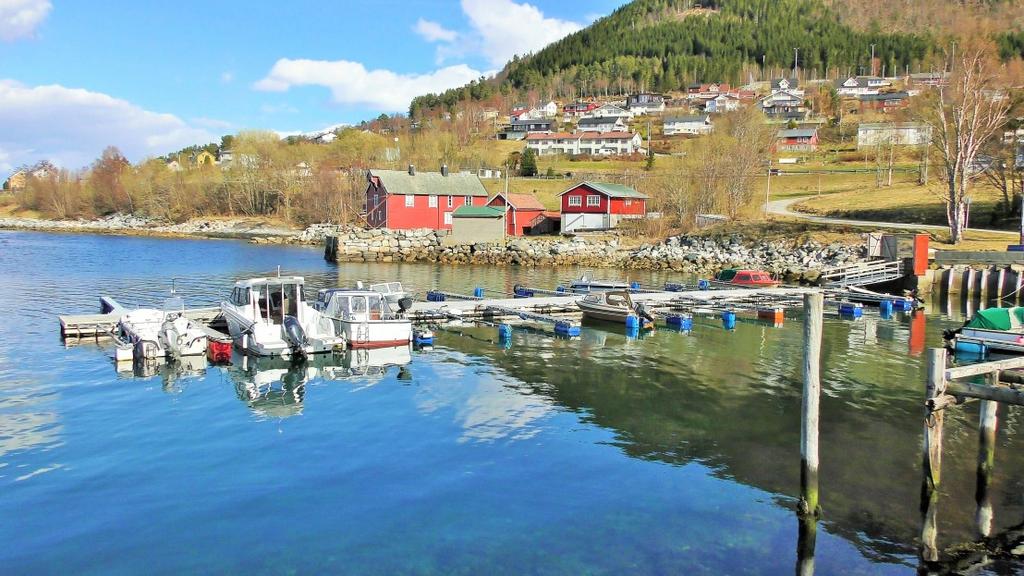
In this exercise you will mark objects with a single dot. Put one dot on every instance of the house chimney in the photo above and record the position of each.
(444, 169)
(412, 170)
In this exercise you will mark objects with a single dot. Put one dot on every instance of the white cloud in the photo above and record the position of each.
(434, 32)
(505, 28)
(351, 83)
(20, 18)
(71, 126)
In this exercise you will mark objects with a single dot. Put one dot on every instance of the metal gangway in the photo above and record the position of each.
(862, 273)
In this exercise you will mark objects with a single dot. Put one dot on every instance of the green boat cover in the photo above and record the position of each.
(997, 319)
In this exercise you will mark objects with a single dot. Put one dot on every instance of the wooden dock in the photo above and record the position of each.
(100, 325)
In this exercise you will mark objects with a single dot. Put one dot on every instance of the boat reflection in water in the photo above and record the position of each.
(276, 387)
(174, 374)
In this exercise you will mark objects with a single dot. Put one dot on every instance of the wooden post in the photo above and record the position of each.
(932, 453)
(1019, 278)
(999, 283)
(814, 304)
(986, 459)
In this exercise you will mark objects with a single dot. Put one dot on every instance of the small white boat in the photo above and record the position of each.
(586, 283)
(364, 318)
(614, 306)
(392, 291)
(159, 334)
(268, 317)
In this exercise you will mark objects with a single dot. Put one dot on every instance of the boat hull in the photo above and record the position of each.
(375, 333)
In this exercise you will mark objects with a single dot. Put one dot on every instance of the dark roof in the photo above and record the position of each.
(884, 96)
(691, 118)
(597, 121)
(793, 82)
(798, 133)
(430, 183)
(468, 211)
(518, 122)
(610, 190)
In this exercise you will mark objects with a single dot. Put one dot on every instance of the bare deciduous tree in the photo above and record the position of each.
(964, 116)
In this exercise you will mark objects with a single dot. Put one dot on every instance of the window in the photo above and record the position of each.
(410, 200)
(575, 201)
(627, 202)
(451, 201)
(448, 218)
(593, 200)
(432, 201)
(469, 200)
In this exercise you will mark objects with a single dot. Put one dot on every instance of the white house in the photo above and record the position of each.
(645, 103)
(790, 85)
(693, 125)
(896, 133)
(859, 85)
(610, 111)
(594, 143)
(601, 124)
(550, 109)
(722, 103)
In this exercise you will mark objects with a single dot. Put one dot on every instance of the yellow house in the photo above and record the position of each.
(204, 158)
(16, 181)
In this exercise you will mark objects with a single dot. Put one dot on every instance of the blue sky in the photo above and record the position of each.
(151, 77)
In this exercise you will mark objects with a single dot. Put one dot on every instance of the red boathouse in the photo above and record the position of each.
(404, 200)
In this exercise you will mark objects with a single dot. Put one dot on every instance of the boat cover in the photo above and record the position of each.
(997, 319)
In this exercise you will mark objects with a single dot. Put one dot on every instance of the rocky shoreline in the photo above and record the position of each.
(240, 228)
(794, 261)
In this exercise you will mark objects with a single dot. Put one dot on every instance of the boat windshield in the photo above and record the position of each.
(279, 300)
(726, 275)
(175, 304)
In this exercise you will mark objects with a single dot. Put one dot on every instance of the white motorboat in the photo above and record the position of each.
(364, 318)
(586, 284)
(159, 334)
(268, 317)
(614, 306)
(392, 291)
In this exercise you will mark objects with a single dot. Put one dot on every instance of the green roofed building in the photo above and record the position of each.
(600, 206)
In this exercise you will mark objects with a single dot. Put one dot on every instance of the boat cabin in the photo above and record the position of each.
(270, 299)
(353, 305)
(746, 277)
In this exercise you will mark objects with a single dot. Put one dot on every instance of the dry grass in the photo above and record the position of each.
(545, 190)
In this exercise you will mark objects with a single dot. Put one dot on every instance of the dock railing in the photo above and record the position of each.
(946, 387)
(863, 273)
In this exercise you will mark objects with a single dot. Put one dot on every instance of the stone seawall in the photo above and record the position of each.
(701, 255)
(984, 282)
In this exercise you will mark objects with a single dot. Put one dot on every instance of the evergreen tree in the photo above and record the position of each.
(528, 163)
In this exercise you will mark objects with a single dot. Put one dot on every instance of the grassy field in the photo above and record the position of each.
(545, 190)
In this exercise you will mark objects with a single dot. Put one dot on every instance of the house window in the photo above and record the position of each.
(593, 200)
(448, 218)
(451, 201)
(469, 200)
(627, 202)
(575, 200)
(410, 200)
(432, 202)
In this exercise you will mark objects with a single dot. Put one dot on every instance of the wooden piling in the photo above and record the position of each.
(983, 289)
(986, 459)
(1000, 278)
(806, 539)
(814, 305)
(932, 453)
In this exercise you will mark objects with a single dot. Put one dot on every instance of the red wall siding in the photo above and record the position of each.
(517, 221)
(637, 206)
(421, 215)
(583, 192)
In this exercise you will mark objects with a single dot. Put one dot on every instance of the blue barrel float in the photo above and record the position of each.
(632, 321)
(520, 292)
(682, 322)
(504, 332)
(970, 349)
(634, 285)
(885, 309)
(563, 328)
(729, 320)
(433, 296)
(850, 310)
(478, 292)
(703, 284)
(905, 305)
(560, 289)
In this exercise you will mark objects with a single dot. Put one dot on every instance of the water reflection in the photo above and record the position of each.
(276, 387)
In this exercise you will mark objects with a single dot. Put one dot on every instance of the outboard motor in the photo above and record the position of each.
(642, 312)
(295, 336)
(404, 304)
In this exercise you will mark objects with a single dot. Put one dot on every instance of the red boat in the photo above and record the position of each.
(747, 278)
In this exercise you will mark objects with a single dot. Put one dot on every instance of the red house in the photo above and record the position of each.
(521, 211)
(600, 206)
(403, 200)
(797, 140)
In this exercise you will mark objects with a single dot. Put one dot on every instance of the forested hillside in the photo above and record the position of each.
(664, 45)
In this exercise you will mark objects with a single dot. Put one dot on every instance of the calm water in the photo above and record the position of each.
(600, 455)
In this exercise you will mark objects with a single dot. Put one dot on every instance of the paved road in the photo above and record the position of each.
(782, 208)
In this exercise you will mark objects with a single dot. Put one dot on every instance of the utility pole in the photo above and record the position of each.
(768, 192)
(796, 61)
(872, 59)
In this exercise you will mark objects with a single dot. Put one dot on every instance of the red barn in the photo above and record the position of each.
(600, 206)
(403, 200)
(520, 211)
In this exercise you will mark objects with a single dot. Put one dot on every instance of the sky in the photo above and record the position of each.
(153, 77)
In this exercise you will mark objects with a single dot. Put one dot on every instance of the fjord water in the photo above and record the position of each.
(670, 453)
